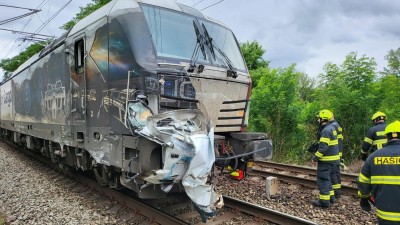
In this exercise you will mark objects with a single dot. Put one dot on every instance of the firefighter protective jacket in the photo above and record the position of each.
(380, 176)
(339, 132)
(375, 138)
(328, 149)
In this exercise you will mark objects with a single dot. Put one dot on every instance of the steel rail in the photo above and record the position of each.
(265, 213)
(154, 215)
(299, 180)
(301, 169)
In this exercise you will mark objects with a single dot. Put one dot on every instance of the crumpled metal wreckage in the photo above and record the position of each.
(188, 150)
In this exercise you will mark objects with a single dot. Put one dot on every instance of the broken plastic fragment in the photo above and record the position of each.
(188, 149)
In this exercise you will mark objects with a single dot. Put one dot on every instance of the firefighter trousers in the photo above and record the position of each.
(387, 222)
(324, 172)
(335, 178)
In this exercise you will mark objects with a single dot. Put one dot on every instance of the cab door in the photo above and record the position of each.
(78, 79)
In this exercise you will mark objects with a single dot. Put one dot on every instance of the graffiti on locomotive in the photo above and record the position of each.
(148, 95)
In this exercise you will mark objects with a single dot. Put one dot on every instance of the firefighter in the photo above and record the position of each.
(336, 179)
(327, 156)
(379, 180)
(375, 138)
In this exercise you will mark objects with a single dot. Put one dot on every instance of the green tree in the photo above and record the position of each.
(306, 87)
(84, 11)
(332, 72)
(253, 53)
(389, 96)
(393, 60)
(11, 64)
(360, 72)
(275, 107)
(348, 90)
(256, 76)
(388, 84)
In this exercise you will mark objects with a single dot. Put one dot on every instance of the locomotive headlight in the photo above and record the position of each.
(176, 86)
(187, 90)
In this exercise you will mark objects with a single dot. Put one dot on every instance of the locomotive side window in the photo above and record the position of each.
(79, 56)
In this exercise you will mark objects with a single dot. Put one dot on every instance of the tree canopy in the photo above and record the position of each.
(284, 101)
(253, 52)
(84, 11)
(11, 64)
(393, 60)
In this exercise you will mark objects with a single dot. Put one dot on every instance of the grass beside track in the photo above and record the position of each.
(2, 219)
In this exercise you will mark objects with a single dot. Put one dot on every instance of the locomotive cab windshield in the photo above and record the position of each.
(176, 35)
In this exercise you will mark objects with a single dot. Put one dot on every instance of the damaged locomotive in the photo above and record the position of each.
(149, 95)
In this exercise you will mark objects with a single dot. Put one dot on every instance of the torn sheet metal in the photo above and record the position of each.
(188, 151)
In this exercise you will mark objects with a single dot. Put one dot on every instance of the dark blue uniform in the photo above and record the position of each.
(327, 157)
(375, 138)
(380, 177)
(335, 176)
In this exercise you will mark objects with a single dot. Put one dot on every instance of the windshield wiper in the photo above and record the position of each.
(199, 45)
(211, 44)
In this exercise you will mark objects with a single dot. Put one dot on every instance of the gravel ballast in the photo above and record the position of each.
(296, 200)
(31, 193)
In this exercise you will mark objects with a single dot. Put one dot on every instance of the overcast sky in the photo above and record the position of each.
(309, 33)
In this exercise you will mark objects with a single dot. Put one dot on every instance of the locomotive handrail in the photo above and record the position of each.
(127, 98)
(241, 155)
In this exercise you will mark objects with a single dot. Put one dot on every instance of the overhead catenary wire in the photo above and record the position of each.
(45, 24)
(17, 7)
(52, 17)
(49, 5)
(17, 17)
(22, 32)
(23, 29)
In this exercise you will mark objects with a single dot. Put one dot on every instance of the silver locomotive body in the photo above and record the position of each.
(144, 93)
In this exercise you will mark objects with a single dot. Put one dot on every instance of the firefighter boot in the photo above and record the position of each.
(364, 203)
(321, 204)
(332, 200)
(338, 194)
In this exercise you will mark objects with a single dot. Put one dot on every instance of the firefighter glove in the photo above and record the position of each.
(364, 203)
(313, 147)
(364, 156)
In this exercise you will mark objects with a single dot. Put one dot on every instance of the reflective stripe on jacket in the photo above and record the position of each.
(375, 138)
(328, 149)
(380, 176)
(339, 132)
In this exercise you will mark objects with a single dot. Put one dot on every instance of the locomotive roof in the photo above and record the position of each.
(131, 4)
(40, 54)
(105, 11)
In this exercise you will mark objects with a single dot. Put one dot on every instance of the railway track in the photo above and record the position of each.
(235, 210)
(302, 175)
(264, 213)
(138, 208)
(181, 211)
